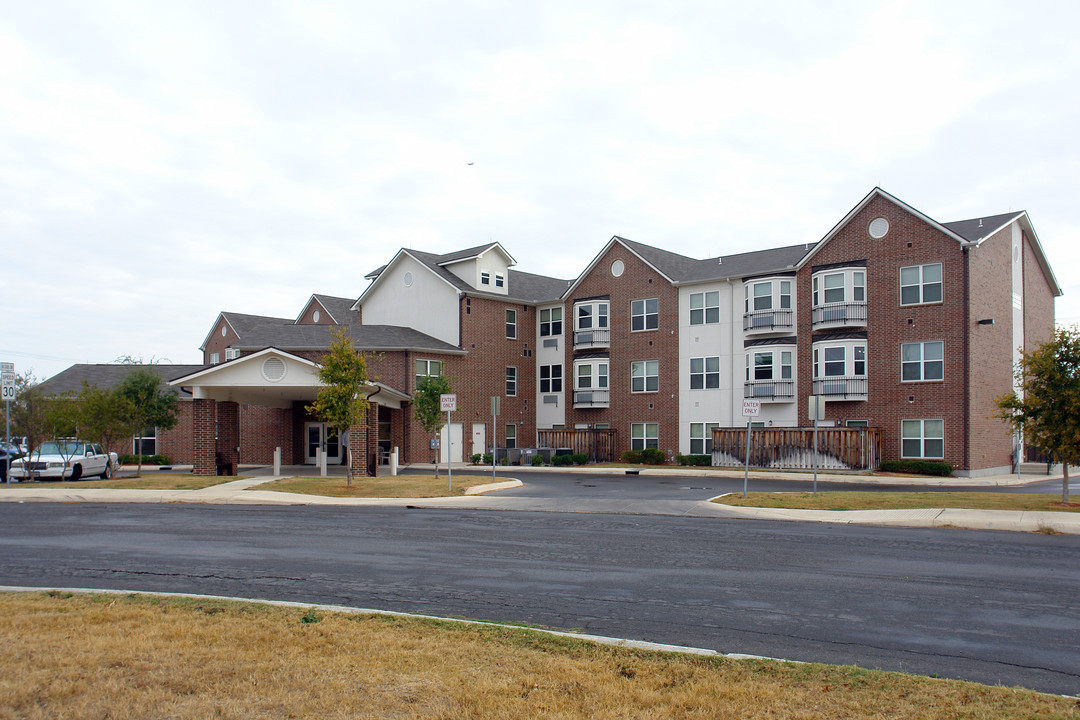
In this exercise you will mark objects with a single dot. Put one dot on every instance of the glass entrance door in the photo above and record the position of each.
(318, 435)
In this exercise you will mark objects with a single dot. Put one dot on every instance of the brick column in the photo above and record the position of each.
(205, 418)
(228, 434)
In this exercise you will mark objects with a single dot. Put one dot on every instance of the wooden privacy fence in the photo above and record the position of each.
(599, 445)
(793, 448)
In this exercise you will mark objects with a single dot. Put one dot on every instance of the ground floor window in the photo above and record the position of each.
(644, 435)
(701, 438)
(923, 439)
(511, 435)
(145, 443)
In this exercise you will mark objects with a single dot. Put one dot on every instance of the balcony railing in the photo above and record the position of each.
(780, 390)
(597, 337)
(591, 398)
(840, 314)
(841, 388)
(768, 320)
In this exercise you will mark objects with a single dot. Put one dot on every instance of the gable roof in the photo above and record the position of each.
(242, 324)
(978, 229)
(109, 375)
(293, 337)
(337, 308)
(473, 253)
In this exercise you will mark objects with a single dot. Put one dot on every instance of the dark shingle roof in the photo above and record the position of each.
(110, 375)
(294, 337)
(978, 228)
(749, 264)
(673, 265)
(339, 308)
(245, 324)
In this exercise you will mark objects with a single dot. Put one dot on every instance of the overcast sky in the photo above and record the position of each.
(163, 161)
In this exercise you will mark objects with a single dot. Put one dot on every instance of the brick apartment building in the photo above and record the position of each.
(902, 323)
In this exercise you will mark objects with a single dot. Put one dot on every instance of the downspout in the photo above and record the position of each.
(967, 354)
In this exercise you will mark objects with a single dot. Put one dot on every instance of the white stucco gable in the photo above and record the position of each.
(407, 293)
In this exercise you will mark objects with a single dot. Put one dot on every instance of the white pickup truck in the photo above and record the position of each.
(66, 460)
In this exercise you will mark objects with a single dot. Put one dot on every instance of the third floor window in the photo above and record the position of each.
(920, 284)
(644, 314)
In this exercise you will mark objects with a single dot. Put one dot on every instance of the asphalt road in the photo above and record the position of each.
(984, 606)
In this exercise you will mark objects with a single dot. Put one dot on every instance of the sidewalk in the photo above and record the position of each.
(244, 492)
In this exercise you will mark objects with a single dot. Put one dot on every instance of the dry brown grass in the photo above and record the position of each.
(145, 657)
(396, 486)
(155, 481)
(853, 500)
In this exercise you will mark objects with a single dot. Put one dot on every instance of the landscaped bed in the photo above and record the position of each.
(95, 656)
(397, 486)
(153, 480)
(855, 500)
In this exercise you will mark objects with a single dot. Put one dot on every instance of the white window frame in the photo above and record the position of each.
(598, 370)
(644, 435)
(705, 373)
(427, 368)
(701, 432)
(922, 284)
(511, 324)
(500, 281)
(705, 307)
(215, 358)
(485, 277)
(645, 376)
(550, 325)
(852, 288)
(231, 354)
(907, 350)
(148, 435)
(599, 310)
(511, 381)
(919, 425)
(646, 313)
(854, 359)
(510, 435)
(553, 382)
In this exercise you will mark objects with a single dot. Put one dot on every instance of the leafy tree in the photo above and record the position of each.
(1049, 412)
(104, 415)
(427, 406)
(150, 404)
(39, 417)
(343, 373)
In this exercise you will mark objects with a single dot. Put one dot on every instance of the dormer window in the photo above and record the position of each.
(499, 280)
(485, 277)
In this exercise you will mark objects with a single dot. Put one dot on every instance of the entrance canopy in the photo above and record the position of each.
(272, 378)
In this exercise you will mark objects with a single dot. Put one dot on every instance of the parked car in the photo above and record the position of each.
(8, 451)
(66, 460)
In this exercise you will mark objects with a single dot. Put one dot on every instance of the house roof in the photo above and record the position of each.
(109, 375)
(978, 229)
(242, 324)
(318, 337)
(338, 308)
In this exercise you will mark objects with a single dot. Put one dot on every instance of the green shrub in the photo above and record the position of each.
(146, 460)
(537, 460)
(561, 460)
(694, 460)
(580, 458)
(476, 458)
(653, 456)
(917, 467)
(632, 456)
(487, 458)
(504, 461)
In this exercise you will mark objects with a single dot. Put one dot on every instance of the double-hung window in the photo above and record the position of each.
(511, 381)
(705, 308)
(644, 435)
(511, 324)
(499, 280)
(644, 314)
(704, 373)
(426, 369)
(922, 439)
(701, 437)
(645, 376)
(485, 277)
(550, 378)
(550, 322)
(922, 361)
(920, 284)
(840, 370)
(511, 436)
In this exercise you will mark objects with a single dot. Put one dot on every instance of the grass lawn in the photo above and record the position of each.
(154, 480)
(843, 500)
(399, 486)
(96, 656)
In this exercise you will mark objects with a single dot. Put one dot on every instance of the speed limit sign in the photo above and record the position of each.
(7, 384)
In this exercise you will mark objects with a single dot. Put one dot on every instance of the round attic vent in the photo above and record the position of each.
(315, 316)
(617, 268)
(273, 369)
(878, 228)
(407, 279)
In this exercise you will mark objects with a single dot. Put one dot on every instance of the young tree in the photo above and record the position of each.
(104, 415)
(29, 414)
(149, 403)
(1049, 412)
(340, 401)
(427, 406)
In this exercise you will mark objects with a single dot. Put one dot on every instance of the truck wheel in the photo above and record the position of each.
(76, 473)
(107, 472)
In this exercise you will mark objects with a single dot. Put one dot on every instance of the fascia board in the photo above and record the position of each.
(238, 361)
(877, 192)
(1040, 254)
(221, 316)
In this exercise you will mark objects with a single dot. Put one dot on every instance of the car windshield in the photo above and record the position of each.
(64, 448)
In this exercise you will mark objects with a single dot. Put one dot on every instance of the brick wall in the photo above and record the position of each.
(1038, 300)
(910, 241)
(177, 443)
(217, 343)
(262, 429)
(639, 281)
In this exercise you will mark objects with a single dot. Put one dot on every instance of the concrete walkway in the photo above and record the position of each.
(244, 492)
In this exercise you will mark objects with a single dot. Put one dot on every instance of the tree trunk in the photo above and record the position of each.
(1065, 483)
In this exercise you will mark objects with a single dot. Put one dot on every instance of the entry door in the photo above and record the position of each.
(317, 435)
(453, 446)
(479, 432)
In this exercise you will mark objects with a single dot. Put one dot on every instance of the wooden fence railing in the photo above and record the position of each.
(599, 445)
(793, 448)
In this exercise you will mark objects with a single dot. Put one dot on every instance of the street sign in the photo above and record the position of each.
(449, 402)
(7, 385)
(6, 367)
(751, 408)
(816, 407)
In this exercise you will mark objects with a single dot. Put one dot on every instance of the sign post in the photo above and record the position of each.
(816, 411)
(7, 392)
(494, 433)
(750, 409)
(448, 402)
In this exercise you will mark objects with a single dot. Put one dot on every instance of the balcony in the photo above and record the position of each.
(768, 321)
(852, 314)
(591, 398)
(770, 390)
(841, 388)
(595, 338)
